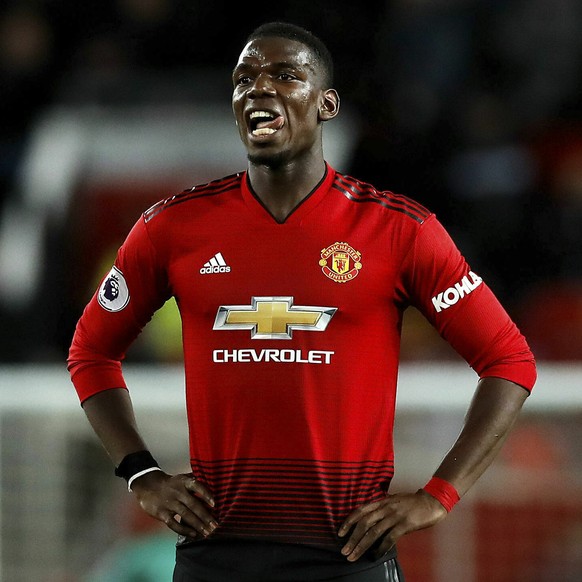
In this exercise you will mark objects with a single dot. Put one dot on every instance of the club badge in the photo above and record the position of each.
(340, 262)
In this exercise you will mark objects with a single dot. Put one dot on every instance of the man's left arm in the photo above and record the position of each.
(463, 309)
(491, 415)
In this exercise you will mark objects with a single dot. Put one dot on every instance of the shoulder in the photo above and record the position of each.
(367, 195)
(213, 189)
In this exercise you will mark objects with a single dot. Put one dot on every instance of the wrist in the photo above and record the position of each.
(140, 474)
(135, 465)
(443, 492)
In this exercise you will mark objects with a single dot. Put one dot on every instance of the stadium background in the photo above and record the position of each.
(473, 107)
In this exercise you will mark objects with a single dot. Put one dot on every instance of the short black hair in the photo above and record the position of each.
(291, 31)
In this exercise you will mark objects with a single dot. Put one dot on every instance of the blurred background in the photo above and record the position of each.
(472, 107)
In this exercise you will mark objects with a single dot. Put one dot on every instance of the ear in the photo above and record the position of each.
(330, 104)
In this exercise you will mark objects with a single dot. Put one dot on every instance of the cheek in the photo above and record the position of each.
(236, 105)
(305, 108)
(237, 120)
(305, 98)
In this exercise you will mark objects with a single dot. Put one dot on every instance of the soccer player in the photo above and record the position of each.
(291, 280)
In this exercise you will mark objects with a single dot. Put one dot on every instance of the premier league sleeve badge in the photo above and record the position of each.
(113, 294)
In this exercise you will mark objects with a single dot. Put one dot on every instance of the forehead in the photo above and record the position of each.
(267, 51)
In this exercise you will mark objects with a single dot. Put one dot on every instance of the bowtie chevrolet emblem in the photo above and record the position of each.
(273, 317)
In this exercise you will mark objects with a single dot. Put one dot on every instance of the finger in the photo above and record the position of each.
(194, 513)
(204, 524)
(178, 526)
(194, 508)
(387, 544)
(356, 516)
(366, 533)
(192, 484)
(398, 529)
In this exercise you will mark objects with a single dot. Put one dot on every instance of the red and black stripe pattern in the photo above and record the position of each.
(211, 189)
(293, 501)
(357, 191)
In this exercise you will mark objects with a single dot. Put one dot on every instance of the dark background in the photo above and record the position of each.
(472, 107)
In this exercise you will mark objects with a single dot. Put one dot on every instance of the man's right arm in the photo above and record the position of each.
(179, 501)
(125, 301)
(111, 415)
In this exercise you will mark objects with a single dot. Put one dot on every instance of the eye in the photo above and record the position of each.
(242, 80)
(286, 77)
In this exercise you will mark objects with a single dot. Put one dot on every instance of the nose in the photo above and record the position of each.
(262, 86)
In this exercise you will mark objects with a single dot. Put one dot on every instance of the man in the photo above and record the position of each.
(291, 280)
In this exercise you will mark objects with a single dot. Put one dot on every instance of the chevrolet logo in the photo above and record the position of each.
(273, 317)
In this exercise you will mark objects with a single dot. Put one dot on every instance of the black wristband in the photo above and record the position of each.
(135, 463)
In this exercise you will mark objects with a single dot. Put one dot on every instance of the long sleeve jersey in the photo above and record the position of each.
(291, 335)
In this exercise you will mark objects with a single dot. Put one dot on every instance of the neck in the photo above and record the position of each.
(282, 189)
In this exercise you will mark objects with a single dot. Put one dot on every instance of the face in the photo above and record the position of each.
(279, 100)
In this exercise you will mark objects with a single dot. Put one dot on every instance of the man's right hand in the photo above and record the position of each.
(179, 501)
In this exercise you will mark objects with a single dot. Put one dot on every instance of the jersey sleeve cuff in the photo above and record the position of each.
(524, 374)
(90, 379)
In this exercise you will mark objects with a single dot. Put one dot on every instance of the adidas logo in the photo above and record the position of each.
(216, 264)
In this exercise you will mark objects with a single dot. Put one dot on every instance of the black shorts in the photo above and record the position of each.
(254, 561)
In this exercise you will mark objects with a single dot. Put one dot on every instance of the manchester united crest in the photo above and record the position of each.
(340, 262)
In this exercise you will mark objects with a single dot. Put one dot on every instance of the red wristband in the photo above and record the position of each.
(443, 492)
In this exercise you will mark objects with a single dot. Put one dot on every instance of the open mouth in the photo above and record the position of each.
(265, 123)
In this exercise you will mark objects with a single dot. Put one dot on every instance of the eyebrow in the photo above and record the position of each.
(279, 65)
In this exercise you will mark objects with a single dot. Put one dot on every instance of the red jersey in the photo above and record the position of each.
(291, 338)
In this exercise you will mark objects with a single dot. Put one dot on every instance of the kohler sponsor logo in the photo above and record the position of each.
(455, 293)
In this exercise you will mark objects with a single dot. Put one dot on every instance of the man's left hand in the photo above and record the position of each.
(388, 520)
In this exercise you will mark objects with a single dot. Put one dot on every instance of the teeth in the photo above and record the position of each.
(257, 114)
(260, 117)
(264, 131)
